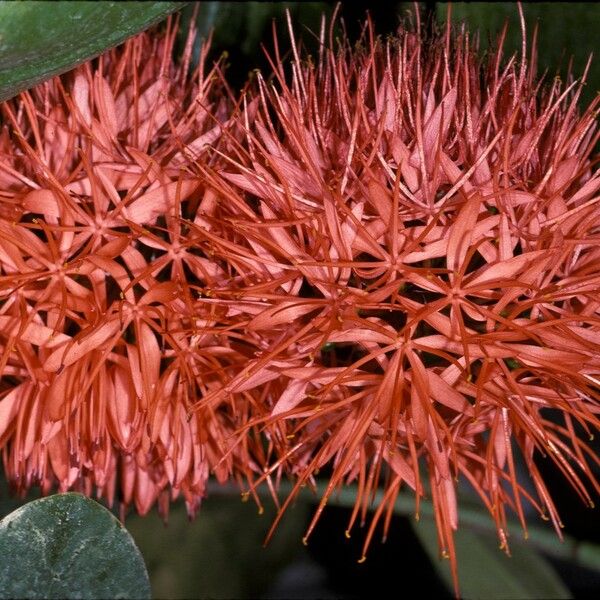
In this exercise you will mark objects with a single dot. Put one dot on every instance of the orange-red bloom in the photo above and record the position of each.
(425, 308)
(104, 344)
(385, 263)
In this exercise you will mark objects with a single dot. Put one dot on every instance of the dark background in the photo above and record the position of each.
(565, 28)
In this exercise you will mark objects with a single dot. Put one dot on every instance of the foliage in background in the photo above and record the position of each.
(490, 574)
(220, 554)
(567, 30)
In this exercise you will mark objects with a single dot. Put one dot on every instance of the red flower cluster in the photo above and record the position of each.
(385, 264)
(103, 338)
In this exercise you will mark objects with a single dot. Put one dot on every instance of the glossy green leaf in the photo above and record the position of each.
(41, 39)
(68, 546)
(487, 572)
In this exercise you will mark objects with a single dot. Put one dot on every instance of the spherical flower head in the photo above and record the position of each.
(416, 257)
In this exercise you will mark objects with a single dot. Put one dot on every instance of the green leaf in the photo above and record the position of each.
(487, 572)
(41, 39)
(68, 546)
